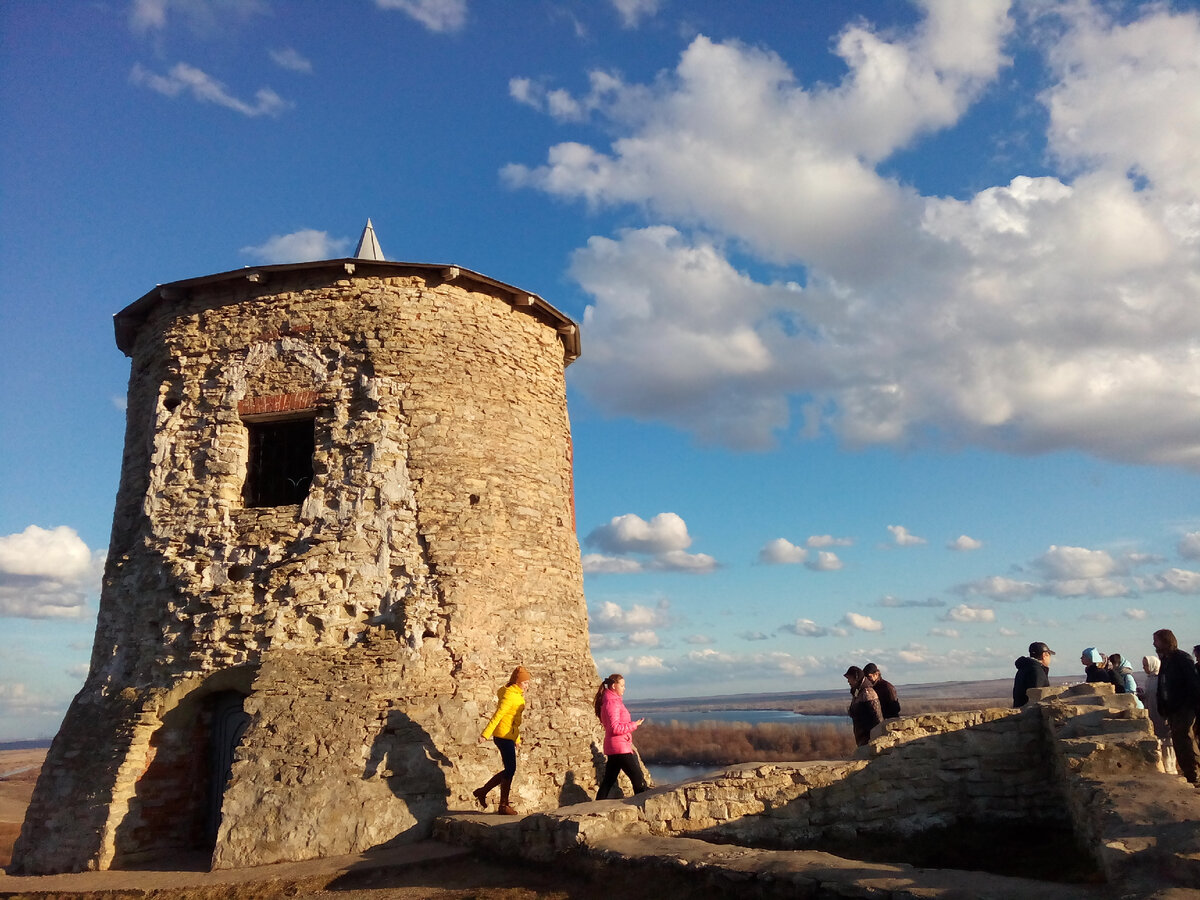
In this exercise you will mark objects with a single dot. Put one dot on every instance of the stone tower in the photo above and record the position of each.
(345, 514)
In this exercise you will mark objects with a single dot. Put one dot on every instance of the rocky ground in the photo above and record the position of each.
(18, 772)
(427, 871)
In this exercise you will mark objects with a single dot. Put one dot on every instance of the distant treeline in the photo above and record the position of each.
(676, 743)
(724, 744)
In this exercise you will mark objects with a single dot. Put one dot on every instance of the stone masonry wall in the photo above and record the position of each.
(434, 551)
(1075, 758)
(920, 773)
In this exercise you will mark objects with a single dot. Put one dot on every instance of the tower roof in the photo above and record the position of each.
(368, 245)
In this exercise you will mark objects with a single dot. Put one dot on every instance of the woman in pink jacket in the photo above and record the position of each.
(618, 736)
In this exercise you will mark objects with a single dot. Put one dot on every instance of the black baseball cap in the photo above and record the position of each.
(1037, 648)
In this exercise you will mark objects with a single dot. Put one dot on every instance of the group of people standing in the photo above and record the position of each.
(872, 699)
(1171, 695)
(504, 730)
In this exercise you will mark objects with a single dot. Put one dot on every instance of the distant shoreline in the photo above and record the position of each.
(37, 744)
(781, 700)
(941, 690)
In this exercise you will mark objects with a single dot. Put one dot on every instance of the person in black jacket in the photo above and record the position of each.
(864, 709)
(889, 703)
(1095, 669)
(1033, 671)
(1178, 697)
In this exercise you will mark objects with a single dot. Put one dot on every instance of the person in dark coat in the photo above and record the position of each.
(864, 709)
(1196, 727)
(1033, 671)
(1178, 697)
(889, 703)
(1094, 669)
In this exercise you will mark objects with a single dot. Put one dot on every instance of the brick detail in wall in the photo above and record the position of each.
(277, 403)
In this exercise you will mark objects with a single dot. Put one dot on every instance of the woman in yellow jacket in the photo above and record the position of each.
(505, 731)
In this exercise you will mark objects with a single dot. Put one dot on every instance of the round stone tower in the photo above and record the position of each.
(345, 515)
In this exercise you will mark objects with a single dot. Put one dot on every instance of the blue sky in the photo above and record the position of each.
(890, 311)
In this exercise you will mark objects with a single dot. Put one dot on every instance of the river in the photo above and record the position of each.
(731, 716)
(674, 774)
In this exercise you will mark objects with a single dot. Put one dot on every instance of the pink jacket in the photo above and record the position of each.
(618, 724)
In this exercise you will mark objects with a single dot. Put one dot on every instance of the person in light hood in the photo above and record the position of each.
(1123, 676)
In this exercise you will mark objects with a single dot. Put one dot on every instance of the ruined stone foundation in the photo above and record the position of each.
(345, 514)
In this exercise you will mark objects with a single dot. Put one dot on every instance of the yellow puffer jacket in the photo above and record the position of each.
(506, 723)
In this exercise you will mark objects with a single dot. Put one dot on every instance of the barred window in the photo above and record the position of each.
(279, 470)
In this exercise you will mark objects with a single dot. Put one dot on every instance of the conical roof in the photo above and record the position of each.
(368, 245)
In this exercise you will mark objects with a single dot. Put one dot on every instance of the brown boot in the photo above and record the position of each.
(505, 809)
(480, 794)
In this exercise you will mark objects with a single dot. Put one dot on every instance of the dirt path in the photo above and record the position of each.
(428, 871)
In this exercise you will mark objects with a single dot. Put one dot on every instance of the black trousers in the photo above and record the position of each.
(1182, 723)
(616, 764)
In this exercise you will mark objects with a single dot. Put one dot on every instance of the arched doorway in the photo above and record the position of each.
(228, 721)
(176, 799)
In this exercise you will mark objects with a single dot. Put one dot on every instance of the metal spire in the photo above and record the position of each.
(368, 245)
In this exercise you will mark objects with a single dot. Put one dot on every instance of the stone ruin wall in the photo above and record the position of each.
(1052, 764)
(370, 625)
(920, 772)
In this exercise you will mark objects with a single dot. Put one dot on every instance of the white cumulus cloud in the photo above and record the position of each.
(662, 540)
(896, 603)
(600, 564)
(631, 664)
(1040, 313)
(1189, 545)
(861, 622)
(184, 78)
(436, 15)
(305, 245)
(826, 561)
(47, 574)
(781, 551)
(612, 617)
(633, 11)
(997, 587)
(681, 561)
(828, 540)
(963, 542)
(204, 18)
(631, 533)
(291, 59)
(902, 537)
(1076, 563)
(806, 628)
(964, 613)
(1179, 581)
